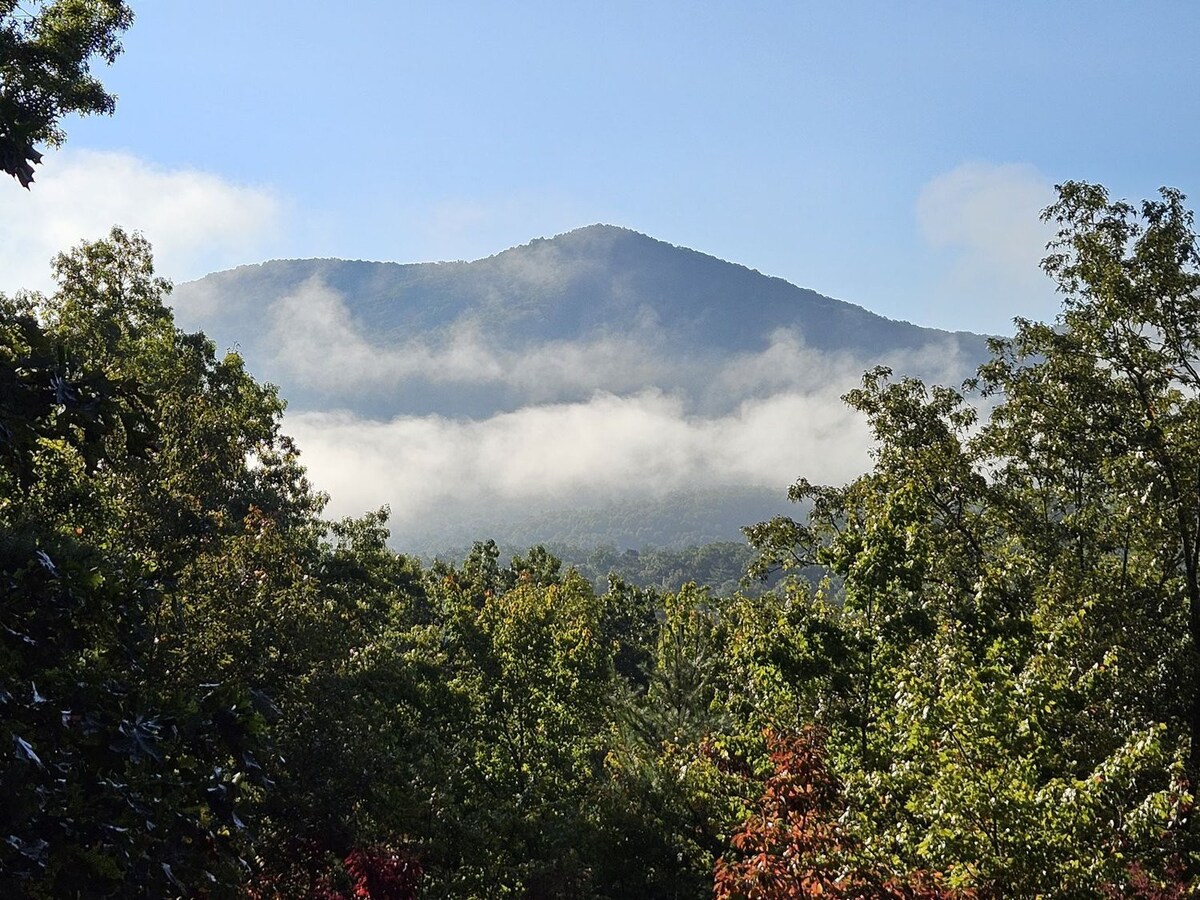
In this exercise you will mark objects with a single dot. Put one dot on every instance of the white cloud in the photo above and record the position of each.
(196, 221)
(987, 218)
(315, 343)
(574, 454)
(608, 418)
(587, 429)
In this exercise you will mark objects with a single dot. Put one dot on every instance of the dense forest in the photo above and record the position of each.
(974, 675)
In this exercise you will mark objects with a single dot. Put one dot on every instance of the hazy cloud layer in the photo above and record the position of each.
(606, 448)
(315, 344)
(985, 217)
(589, 422)
(196, 221)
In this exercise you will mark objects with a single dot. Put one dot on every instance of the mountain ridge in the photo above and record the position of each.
(601, 384)
(588, 280)
(564, 239)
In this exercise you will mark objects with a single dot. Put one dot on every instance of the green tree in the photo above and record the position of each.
(1019, 599)
(516, 707)
(121, 782)
(1120, 375)
(46, 52)
(679, 781)
(191, 657)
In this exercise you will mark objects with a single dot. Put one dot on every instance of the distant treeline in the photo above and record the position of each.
(721, 566)
(675, 521)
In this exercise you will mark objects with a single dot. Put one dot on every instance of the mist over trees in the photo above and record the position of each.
(650, 387)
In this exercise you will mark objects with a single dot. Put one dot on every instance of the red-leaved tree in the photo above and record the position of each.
(304, 869)
(793, 846)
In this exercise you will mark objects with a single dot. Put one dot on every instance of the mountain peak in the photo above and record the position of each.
(601, 228)
(587, 237)
(544, 363)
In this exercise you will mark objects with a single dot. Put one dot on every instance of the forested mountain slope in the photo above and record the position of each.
(599, 283)
(597, 387)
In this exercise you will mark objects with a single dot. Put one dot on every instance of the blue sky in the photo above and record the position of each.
(894, 155)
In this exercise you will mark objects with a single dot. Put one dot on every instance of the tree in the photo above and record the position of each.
(1019, 599)
(512, 715)
(195, 664)
(121, 781)
(1121, 375)
(794, 846)
(46, 52)
(678, 778)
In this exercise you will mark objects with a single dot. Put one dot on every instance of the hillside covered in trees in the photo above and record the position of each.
(212, 690)
(476, 331)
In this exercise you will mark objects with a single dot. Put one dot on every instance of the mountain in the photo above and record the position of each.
(597, 285)
(561, 381)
